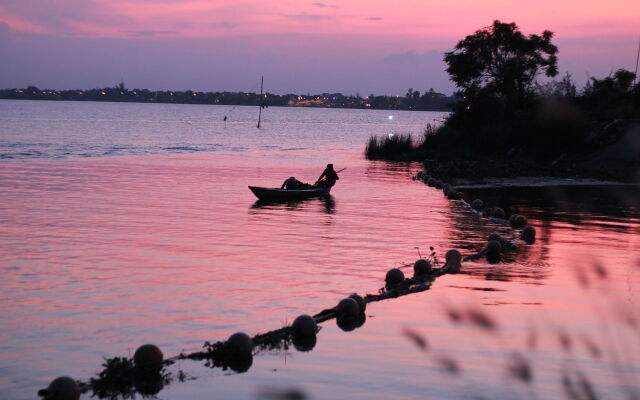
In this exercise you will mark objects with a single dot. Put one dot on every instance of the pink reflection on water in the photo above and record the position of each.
(102, 255)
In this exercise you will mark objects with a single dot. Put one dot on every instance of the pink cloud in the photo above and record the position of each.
(354, 34)
(93, 18)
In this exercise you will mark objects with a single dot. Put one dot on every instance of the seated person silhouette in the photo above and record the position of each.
(291, 184)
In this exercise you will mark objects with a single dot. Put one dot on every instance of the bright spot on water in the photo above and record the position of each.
(390, 116)
(391, 136)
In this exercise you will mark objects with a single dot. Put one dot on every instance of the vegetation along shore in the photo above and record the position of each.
(508, 124)
(430, 100)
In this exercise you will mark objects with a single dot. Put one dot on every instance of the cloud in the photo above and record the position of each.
(413, 57)
(61, 16)
(5, 36)
(374, 19)
(148, 32)
(324, 5)
(412, 69)
(224, 25)
(5, 29)
(308, 17)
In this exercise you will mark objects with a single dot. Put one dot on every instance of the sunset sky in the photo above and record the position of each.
(372, 46)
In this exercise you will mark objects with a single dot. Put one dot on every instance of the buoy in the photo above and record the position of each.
(148, 384)
(61, 388)
(241, 363)
(512, 219)
(347, 307)
(421, 267)
(148, 357)
(304, 343)
(452, 260)
(453, 195)
(431, 182)
(304, 325)
(528, 234)
(394, 276)
(487, 212)
(348, 323)
(496, 237)
(520, 221)
(498, 213)
(494, 248)
(438, 184)
(477, 204)
(240, 343)
(361, 303)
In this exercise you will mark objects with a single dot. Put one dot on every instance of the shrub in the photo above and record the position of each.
(389, 147)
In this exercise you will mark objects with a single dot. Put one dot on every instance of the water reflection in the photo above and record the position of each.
(571, 216)
(328, 204)
(305, 343)
(391, 170)
(608, 207)
(241, 364)
(526, 263)
(348, 323)
(123, 378)
(148, 384)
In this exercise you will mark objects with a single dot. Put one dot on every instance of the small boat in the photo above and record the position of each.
(276, 194)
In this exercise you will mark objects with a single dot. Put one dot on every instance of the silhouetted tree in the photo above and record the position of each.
(612, 97)
(564, 88)
(499, 60)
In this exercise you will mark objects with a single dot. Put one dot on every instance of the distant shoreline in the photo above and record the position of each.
(429, 101)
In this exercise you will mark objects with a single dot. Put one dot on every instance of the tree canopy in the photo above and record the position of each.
(500, 60)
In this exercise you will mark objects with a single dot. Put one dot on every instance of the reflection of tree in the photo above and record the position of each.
(595, 207)
(470, 232)
(391, 170)
(570, 204)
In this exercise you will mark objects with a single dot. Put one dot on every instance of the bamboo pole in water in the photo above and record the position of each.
(260, 101)
(635, 79)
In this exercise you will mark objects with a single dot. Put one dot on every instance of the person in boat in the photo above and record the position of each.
(291, 184)
(330, 177)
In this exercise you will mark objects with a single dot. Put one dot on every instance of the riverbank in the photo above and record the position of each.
(429, 101)
(611, 157)
(582, 169)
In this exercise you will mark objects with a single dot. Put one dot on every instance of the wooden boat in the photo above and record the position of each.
(276, 194)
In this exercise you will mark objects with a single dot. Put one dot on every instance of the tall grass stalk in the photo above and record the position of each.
(389, 147)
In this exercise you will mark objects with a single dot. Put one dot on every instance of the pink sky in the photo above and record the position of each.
(367, 46)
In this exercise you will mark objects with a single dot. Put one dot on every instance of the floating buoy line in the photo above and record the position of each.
(146, 372)
(496, 244)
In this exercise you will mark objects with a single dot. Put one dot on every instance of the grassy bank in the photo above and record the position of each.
(611, 153)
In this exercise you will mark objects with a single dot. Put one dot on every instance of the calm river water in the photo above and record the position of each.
(124, 224)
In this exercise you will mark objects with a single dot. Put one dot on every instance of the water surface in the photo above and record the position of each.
(124, 224)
